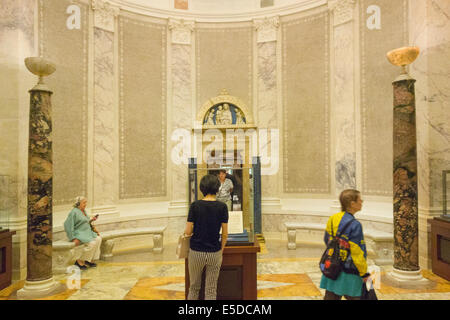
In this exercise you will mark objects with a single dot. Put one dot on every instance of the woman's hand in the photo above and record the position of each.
(95, 230)
(77, 242)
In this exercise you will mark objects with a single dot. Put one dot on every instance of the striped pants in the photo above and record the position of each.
(197, 262)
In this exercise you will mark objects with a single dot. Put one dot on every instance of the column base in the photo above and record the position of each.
(40, 289)
(407, 279)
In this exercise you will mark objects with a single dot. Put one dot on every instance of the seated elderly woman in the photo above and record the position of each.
(79, 230)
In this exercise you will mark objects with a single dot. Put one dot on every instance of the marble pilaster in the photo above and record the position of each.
(181, 100)
(267, 110)
(343, 96)
(406, 246)
(105, 160)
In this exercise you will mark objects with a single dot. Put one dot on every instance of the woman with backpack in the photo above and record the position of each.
(352, 250)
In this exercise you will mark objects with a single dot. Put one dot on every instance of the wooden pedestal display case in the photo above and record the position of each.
(237, 279)
(5, 257)
(440, 245)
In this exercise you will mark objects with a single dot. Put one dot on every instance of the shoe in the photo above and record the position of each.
(80, 266)
(90, 264)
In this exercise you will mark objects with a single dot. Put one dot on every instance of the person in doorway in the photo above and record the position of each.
(79, 230)
(205, 219)
(350, 281)
(225, 189)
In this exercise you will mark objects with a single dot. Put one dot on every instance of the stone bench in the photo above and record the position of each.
(108, 238)
(383, 241)
(64, 254)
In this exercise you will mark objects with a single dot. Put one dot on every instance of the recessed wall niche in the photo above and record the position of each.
(142, 106)
(68, 49)
(306, 133)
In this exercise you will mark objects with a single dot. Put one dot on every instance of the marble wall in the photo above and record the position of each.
(319, 76)
(104, 153)
(68, 49)
(429, 30)
(376, 91)
(343, 96)
(142, 108)
(224, 60)
(306, 105)
(267, 109)
(17, 41)
(182, 109)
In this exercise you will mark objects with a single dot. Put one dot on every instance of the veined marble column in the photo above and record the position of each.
(181, 105)
(105, 177)
(343, 95)
(267, 110)
(40, 187)
(406, 250)
(406, 217)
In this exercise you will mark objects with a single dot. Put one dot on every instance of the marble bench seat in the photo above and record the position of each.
(381, 242)
(108, 238)
(64, 254)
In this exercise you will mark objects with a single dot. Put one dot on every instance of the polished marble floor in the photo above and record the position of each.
(282, 274)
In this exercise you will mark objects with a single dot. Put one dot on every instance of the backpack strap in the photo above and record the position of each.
(344, 228)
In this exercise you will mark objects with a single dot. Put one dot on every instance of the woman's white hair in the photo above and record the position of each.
(78, 201)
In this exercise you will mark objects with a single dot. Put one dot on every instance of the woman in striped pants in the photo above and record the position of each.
(205, 219)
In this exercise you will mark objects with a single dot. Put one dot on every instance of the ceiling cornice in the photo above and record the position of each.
(217, 17)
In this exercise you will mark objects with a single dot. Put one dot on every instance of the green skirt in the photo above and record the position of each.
(345, 285)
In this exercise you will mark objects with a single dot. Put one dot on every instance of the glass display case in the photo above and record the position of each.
(241, 201)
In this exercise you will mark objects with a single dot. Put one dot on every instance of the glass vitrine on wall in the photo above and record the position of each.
(241, 224)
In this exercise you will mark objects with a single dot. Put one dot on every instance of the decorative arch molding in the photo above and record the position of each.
(225, 99)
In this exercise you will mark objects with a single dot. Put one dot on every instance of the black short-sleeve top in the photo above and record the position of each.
(207, 217)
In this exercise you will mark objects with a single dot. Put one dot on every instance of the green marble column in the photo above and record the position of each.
(40, 182)
(406, 235)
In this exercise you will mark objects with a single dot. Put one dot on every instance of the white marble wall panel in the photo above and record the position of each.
(344, 108)
(438, 73)
(104, 119)
(430, 31)
(267, 105)
(181, 112)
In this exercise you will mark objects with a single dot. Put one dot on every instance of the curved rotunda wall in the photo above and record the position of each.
(129, 75)
(282, 67)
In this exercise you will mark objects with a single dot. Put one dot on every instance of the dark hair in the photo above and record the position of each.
(223, 170)
(209, 184)
(346, 198)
